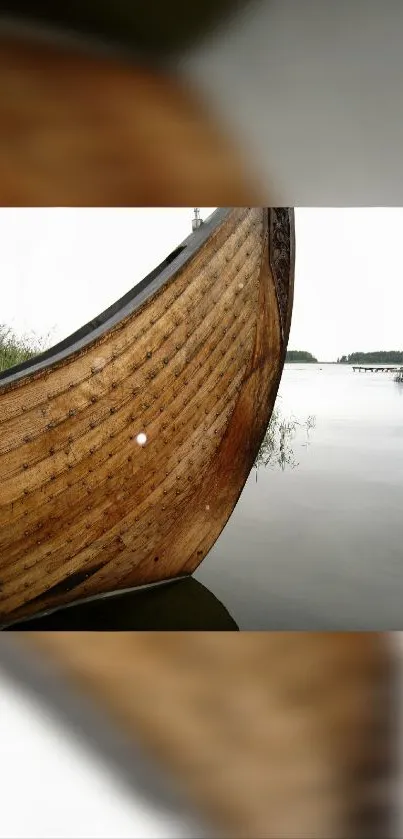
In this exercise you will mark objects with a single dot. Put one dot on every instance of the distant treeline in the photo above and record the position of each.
(380, 357)
(301, 356)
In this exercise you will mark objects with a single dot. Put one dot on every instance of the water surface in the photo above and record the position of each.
(320, 546)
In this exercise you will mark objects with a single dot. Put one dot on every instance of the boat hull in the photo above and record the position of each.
(192, 361)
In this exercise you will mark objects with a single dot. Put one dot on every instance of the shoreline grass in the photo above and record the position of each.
(14, 349)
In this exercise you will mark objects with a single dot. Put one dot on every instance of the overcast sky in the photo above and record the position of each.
(60, 267)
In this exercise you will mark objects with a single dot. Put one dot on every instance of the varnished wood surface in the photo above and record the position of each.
(83, 508)
(272, 735)
(88, 130)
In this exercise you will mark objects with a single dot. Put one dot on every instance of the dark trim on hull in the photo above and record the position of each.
(125, 34)
(50, 35)
(123, 307)
(282, 261)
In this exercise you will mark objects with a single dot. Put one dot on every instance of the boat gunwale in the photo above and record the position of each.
(34, 31)
(95, 40)
(122, 308)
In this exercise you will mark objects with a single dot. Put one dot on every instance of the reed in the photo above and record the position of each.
(276, 449)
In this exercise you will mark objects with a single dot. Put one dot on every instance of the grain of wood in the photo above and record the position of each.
(271, 734)
(196, 369)
(83, 130)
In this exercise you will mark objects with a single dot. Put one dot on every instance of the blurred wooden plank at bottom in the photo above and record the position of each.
(89, 130)
(272, 735)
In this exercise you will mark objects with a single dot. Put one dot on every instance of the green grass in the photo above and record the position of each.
(14, 350)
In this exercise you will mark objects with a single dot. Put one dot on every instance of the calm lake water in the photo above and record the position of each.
(320, 545)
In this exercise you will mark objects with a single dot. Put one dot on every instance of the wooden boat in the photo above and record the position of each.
(124, 448)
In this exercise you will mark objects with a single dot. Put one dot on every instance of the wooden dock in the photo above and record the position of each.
(377, 369)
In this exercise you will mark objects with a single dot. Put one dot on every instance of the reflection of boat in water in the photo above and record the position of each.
(178, 605)
(124, 449)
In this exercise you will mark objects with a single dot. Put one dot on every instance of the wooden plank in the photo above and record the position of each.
(84, 129)
(272, 735)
